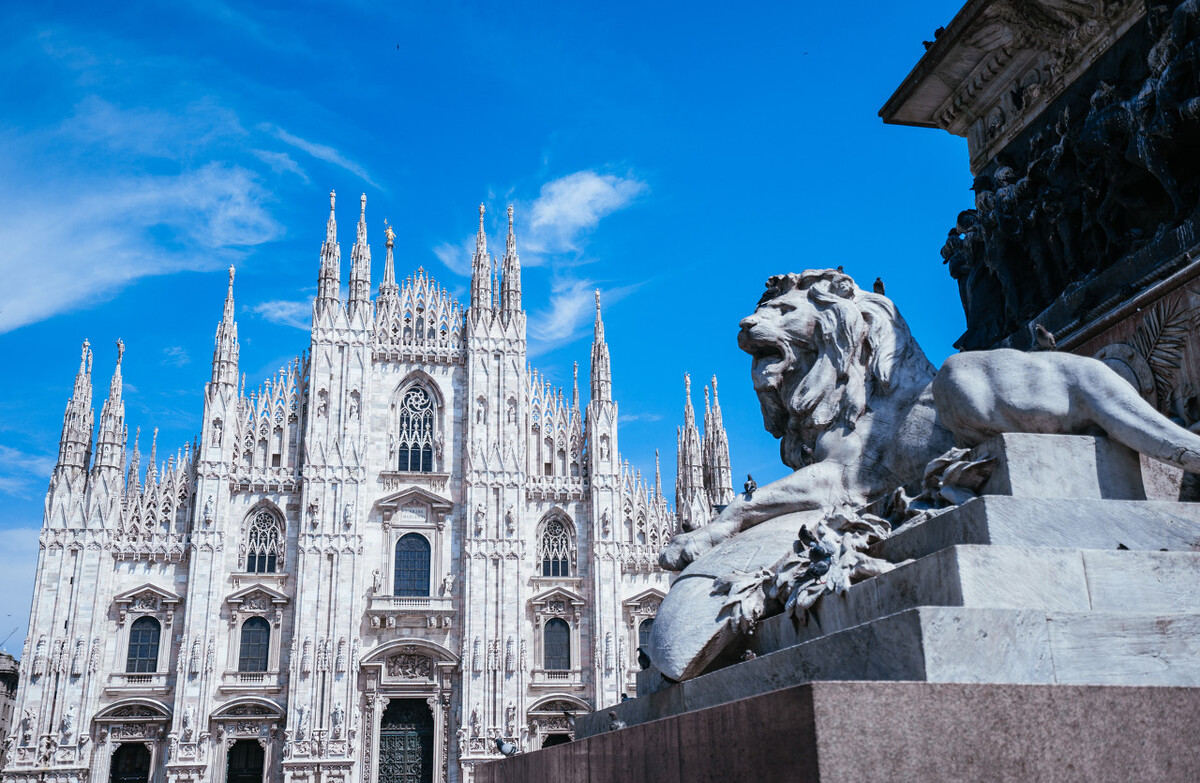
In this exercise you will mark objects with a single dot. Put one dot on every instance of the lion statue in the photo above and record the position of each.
(859, 411)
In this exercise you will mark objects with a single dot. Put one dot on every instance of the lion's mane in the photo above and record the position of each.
(862, 347)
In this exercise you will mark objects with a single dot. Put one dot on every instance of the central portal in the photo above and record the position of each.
(406, 742)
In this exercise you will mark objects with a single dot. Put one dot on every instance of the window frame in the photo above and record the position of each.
(272, 562)
(564, 640)
(153, 648)
(252, 624)
(397, 589)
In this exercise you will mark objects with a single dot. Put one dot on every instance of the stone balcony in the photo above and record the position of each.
(389, 611)
(251, 682)
(556, 678)
(124, 683)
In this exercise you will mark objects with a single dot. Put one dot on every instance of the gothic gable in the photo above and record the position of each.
(256, 598)
(147, 598)
(646, 602)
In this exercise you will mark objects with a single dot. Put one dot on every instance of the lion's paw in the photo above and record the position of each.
(686, 548)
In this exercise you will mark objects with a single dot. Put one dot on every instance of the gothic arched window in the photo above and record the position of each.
(256, 644)
(415, 441)
(555, 548)
(143, 645)
(557, 644)
(264, 543)
(412, 566)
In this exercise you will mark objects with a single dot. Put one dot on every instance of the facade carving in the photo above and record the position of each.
(407, 532)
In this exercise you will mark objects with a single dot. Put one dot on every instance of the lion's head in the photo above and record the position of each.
(823, 348)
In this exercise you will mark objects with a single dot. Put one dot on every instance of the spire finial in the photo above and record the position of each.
(481, 216)
(120, 350)
(687, 385)
(362, 209)
(597, 302)
(231, 275)
(510, 219)
(332, 199)
(388, 232)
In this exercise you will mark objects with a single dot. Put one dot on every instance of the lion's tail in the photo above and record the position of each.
(1130, 420)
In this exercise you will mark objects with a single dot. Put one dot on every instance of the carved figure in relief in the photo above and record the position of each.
(189, 722)
(66, 725)
(302, 722)
(510, 520)
(336, 719)
(28, 724)
(859, 411)
(480, 516)
(447, 585)
(376, 582)
(208, 510)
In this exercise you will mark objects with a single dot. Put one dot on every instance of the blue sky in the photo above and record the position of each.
(672, 155)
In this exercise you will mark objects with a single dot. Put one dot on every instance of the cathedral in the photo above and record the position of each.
(405, 546)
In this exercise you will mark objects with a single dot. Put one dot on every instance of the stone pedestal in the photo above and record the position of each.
(1049, 629)
(855, 731)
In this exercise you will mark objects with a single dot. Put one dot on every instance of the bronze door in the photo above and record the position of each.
(245, 762)
(130, 764)
(406, 742)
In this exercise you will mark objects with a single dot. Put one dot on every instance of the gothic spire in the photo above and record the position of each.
(110, 444)
(718, 476)
(388, 286)
(331, 262)
(360, 265)
(657, 475)
(135, 461)
(510, 286)
(152, 468)
(75, 445)
(575, 387)
(689, 478)
(481, 271)
(601, 366)
(225, 354)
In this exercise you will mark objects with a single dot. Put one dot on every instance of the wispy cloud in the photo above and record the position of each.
(286, 312)
(281, 162)
(23, 473)
(570, 312)
(320, 152)
(457, 258)
(569, 207)
(630, 418)
(175, 356)
(102, 236)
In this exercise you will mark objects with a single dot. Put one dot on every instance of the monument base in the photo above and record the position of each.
(854, 731)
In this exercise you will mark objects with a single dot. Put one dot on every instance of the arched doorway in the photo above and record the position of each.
(245, 762)
(555, 739)
(406, 742)
(131, 764)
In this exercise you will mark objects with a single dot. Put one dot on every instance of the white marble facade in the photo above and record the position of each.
(403, 546)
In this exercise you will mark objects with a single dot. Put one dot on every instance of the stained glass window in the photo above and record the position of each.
(264, 550)
(555, 549)
(415, 440)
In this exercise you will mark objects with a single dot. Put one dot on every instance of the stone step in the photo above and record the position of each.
(1004, 577)
(952, 644)
(1068, 524)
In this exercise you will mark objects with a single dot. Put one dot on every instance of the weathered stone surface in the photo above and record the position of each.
(931, 731)
(1086, 524)
(1061, 466)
